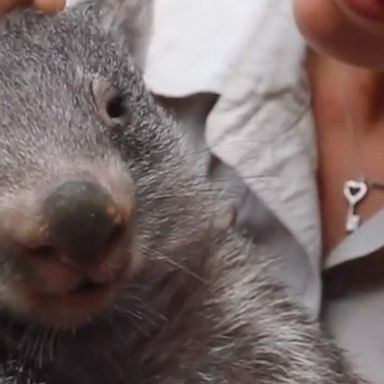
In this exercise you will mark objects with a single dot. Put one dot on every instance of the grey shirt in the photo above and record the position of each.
(234, 75)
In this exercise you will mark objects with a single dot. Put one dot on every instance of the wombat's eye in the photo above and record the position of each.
(115, 107)
(109, 102)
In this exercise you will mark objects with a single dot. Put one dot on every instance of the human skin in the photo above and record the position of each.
(345, 66)
(331, 27)
(47, 6)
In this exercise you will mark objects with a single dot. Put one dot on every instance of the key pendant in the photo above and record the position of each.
(354, 192)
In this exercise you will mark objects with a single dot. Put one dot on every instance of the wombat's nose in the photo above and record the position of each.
(83, 221)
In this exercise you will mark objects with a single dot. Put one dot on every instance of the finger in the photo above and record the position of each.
(9, 5)
(48, 6)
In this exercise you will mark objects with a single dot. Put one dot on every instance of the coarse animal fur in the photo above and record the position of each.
(198, 304)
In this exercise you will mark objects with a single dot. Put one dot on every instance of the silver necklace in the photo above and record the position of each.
(356, 190)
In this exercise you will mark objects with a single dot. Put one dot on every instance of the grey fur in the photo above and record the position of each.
(203, 308)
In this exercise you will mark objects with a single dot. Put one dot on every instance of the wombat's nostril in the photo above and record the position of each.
(83, 221)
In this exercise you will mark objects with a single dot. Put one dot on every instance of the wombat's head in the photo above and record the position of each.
(84, 158)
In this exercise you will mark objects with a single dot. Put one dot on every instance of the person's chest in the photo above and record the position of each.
(340, 157)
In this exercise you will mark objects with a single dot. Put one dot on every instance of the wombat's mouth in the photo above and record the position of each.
(73, 308)
(84, 287)
(89, 286)
(53, 294)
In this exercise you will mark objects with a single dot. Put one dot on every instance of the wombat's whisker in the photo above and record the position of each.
(143, 306)
(160, 256)
(44, 340)
(26, 341)
(36, 345)
(130, 312)
(135, 320)
(51, 343)
(138, 315)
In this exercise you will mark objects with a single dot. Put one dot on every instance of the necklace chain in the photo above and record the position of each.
(356, 190)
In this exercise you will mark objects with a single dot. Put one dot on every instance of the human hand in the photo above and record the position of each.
(46, 6)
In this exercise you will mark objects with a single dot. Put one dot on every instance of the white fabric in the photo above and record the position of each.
(257, 123)
(196, 42)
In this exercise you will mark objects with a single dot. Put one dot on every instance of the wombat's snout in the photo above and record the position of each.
(70, 246)
(83, 221)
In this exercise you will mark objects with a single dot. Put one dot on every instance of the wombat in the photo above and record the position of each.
(117, 262)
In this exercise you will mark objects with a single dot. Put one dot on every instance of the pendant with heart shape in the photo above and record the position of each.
(355, 191)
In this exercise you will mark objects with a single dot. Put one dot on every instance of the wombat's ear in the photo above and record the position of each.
(129, 21)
